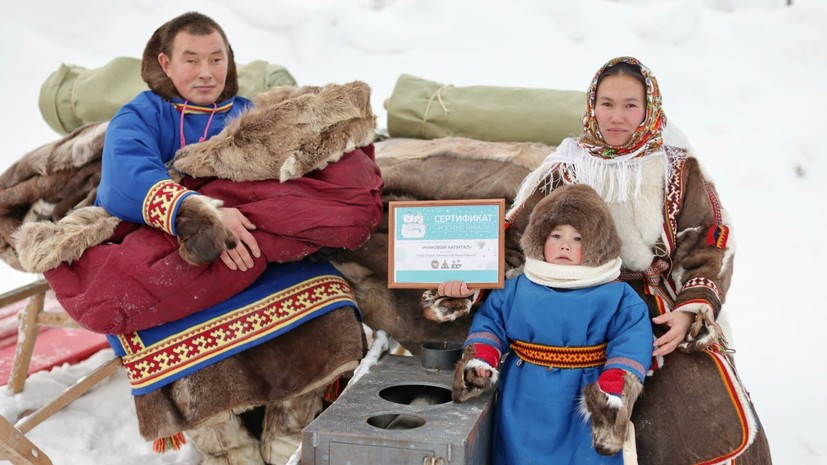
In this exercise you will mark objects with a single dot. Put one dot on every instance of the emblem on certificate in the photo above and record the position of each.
(435, 241)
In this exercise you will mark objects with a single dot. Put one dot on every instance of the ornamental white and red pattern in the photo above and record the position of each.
(240, 327)
(160, 202)
(704, 282)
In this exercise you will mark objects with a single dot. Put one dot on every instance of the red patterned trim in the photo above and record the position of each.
(131, 343)
(159, 204)
(233, 330)
(726, 376)
(561, 357)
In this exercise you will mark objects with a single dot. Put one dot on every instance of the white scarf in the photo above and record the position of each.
(614, 179)
(570, 276)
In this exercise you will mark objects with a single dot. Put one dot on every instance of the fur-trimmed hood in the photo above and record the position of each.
(161, 84)
(579, 206)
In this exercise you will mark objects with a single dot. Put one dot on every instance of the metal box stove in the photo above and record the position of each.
(400, 413)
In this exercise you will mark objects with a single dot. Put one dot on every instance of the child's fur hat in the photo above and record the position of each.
(581, 207)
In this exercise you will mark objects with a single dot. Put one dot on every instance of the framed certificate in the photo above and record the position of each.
(434, 241)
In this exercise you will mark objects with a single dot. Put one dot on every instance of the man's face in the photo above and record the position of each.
(197, 67)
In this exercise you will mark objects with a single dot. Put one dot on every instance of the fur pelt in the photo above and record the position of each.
(48, 182)
(609, 421)
(526, 154)
(581, 207)
(223, 439)
(290, 132)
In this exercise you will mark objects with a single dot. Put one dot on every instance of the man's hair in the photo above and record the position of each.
(161, 42)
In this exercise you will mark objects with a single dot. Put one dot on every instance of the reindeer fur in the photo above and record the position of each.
(289, 133)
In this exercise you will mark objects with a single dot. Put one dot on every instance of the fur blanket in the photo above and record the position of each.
(48, 182)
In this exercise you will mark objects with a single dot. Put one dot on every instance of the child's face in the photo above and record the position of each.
(563, 246)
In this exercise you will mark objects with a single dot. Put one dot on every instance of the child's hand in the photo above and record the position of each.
(482, 372)
(454, 289)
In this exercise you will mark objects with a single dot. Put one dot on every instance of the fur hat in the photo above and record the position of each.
(154, 75)
(581, 207)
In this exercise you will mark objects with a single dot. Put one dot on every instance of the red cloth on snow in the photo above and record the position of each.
(138, 280)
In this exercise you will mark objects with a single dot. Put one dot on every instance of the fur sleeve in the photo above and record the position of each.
(702, 262)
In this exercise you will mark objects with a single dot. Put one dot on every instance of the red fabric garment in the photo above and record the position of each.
(138, 280)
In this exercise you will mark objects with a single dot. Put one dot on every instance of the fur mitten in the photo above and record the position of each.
(443, 309)
(202, 236)
(43, 245)
(703, 330)
(608, 403)
(467, 384)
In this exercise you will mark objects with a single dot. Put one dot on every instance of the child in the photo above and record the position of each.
(573, 333)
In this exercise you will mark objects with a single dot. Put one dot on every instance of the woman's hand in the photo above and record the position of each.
(678, 323)
(454, 289)
(240, 257)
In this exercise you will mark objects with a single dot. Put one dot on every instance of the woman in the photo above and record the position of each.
(676, 251)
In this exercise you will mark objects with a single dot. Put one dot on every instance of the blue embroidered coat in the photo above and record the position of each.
(537, 419)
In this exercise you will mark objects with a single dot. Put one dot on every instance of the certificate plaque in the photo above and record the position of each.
(435, 241)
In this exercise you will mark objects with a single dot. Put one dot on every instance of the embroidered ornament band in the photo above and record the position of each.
(284, 297)
(561, 357)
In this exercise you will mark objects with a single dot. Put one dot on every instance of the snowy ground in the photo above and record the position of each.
(743, 79)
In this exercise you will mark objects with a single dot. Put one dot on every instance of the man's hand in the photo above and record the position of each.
(240, 257)
(678, 323)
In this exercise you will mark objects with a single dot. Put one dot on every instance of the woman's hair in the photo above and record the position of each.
(623, 69)
(161, 42)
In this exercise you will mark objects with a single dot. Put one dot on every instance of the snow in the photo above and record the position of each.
(743, 79)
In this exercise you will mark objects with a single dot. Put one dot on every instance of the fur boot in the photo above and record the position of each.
(609, 414)
(223, 440)
(202, 236)
(467, 384)
(283, 425)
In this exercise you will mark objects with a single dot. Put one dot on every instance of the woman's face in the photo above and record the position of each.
(197, 67)
(620, 107)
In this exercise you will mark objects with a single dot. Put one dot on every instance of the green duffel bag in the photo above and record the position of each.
(74, 95)
(425, 109)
